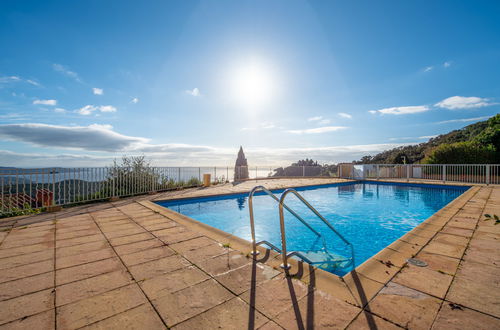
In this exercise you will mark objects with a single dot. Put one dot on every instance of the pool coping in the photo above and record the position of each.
(361, 284)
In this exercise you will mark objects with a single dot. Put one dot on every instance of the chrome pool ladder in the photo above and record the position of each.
(282, 205)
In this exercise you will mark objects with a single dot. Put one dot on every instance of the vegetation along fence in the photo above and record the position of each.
(30, 190)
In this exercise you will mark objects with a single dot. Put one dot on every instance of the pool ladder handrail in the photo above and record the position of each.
(252, 223)
(285, 265)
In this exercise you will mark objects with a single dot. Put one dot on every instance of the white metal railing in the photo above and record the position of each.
(35, 188)
(459, 173)
(26, 189)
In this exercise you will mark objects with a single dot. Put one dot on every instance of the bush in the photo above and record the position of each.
(462, 153)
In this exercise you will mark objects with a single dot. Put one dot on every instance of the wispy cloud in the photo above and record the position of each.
(194, 92)
(60, 110)
(33, 82)
(401, 110)
(345, 115)
(317, 130)
(324, 122)
(428, 68)
(16, 79)
(447, 64)
(89, 109)
(462, 102)
(426, 137)
(45, 102)
(316, 118)
(463, 120)
(135, 100)
(97, 91)
(263, 125)
(65, 71)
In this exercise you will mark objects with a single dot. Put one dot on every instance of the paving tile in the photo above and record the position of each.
(158, 267)
(26, 285)
(180, 234)
(404, 306)
(84, 271)
(425, 280)
(17, 242)
(142, 317)
(244, 278)
(26, 305)
(271, 325)
(81, 248)
(25, 259)
(138, 246)
(79, 240)
(484, 251)
(457, 231)
(92, 286)
(172, 282)
(476, 286)
(84, 258)
(77, 233)
(206, 252)
(41, 321)
(446, 247)
(318, 310)
(377, 271)
(158, 225)
(26, 270)
(362, 288)
(127, 232)
(366, 320)
(130, 239)
(233, 314)
(439, 263)
(97, 308)
(147, 255)
(184, 304)
(276, 295)
(223, 263)
(453, 317)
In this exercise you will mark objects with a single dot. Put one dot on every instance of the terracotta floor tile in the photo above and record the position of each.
(425, 280)
(453, 317)
(138, 246)
(142, 317)
(244, 278)
(191, 244)
(41, 321)
(439, 263)
(366, 320)
(147, 255)
(158, 267)
(173, 281)
(77, 233)
(97, 308)
(81, 248)
(26, 270)
(182, 305)
(84, 271)
(179, 235)
(233, 314)
(26, 305)
(404, 306)
(26, 285)
(25, 259)
(92, 286)
(318, 310)
(79, 240)
(224, 263)
(84, 258)
(362, 288)
(206, 252)
(130, 239)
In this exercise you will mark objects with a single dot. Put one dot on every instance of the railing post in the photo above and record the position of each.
(488, 174)
(303, 171)
(53, 186)
(179, 177)
(408, 173)
(199, 173)
(378, 172)
(444, 173)
(227, 174)
(256, 169)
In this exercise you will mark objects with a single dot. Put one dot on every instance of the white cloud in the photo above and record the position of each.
(194, 92)
(45, 102)
(324, 122)
(372, 111)
(93, 137)
(315, 118)
(8, 79)
(318, 130)
(32, 82)
(345, 115)
(428, 68)
(60, 110)
(97, 91)
(135, 100)
(447, 64)
(402, 110)
(464, 120)
(462, 102)
(65, 71)
(426, 137)
(89, 109)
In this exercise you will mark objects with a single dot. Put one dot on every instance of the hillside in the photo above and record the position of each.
(484, 134)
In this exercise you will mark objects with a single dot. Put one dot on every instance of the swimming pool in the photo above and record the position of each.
(370, 215)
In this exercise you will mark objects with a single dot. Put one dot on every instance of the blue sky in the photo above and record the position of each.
(188, 82)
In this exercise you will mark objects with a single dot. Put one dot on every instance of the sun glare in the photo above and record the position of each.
(253, 85)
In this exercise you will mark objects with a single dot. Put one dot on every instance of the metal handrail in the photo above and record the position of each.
(285, 264)
(252, 222)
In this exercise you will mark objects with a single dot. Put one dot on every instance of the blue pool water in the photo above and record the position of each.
(370, 215)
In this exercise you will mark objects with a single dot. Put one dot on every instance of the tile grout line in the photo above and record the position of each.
(55, 271)
(128, 271)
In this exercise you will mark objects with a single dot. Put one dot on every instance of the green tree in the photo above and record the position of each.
(462, 153)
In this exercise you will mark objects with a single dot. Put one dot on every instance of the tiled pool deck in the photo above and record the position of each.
(130, 264)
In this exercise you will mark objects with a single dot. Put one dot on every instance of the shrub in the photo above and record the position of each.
(462, 153)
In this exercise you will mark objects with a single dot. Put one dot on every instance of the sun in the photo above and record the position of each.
(253, 85)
